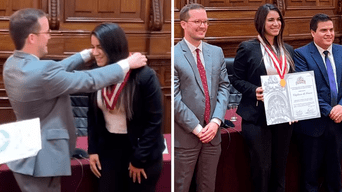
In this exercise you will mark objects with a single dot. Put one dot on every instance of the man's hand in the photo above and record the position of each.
(91, 53)
(208, 132)
(95, 164)
(136, 60)
(136, 173)
(336, 114)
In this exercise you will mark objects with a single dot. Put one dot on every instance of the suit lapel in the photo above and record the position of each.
(259, 57)
(319, 61)
(191, 60)
(338, 60)
(208, 64)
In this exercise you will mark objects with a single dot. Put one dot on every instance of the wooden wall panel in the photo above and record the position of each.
(178, 4)
(232, 3)
(128, 6)
(310, 3)
(3, 6)
(167, 114)
(19, 4)
(104, 10)
(7, 7)
(82, 6)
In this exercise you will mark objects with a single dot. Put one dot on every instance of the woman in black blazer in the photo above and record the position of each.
(268, 145)
(124, 121)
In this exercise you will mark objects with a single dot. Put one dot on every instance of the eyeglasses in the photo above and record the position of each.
(46, 32)
(199, 23)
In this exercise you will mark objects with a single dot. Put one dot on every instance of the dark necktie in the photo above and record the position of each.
(332, 81)
(201, 71)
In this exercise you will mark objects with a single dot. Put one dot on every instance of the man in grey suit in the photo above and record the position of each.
(41, 88)
(200, 102)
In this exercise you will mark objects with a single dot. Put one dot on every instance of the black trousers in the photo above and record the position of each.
(268, 149)
(148, 185)
(114, 159)
(321, 156)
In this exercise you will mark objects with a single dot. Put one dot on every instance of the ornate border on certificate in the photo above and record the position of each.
(296, 101)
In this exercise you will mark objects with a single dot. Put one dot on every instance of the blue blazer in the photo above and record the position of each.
(308, 58)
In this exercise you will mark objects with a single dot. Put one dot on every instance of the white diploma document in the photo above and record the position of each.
(19, 140)
(296, 101)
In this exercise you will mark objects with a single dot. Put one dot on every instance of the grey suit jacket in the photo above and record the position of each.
(41, 88)
(189, 99)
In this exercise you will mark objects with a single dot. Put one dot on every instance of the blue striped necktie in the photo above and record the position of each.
(332, 82)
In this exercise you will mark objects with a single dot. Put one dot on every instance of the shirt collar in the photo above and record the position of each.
(192, 47)
(22, 54)
(321, 50)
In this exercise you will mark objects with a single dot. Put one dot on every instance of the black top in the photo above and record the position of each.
(144, 129)
(248, 67)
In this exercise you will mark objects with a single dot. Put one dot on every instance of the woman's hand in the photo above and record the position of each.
(135, 173)
(292, 122)
(95, 164)
(259, 94)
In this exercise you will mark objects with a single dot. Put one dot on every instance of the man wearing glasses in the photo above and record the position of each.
(200, 102)
(41, 88)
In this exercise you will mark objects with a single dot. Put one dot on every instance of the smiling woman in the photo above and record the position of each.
(100, 56)
(272, 26)
(266, 55)
(124, 120)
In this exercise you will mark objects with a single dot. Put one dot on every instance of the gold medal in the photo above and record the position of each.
(282, 82)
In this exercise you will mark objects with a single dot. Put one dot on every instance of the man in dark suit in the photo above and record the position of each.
(200, 102)
(319, 139)
(41, 88)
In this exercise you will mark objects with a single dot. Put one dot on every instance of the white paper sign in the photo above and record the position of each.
(20, 140)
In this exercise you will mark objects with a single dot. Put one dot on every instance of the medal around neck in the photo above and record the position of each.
(279, 64)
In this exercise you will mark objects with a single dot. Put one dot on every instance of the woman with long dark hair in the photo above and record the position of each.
(266, 55)
(124, 120)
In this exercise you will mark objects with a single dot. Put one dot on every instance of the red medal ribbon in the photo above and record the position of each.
(107, 95)
(281, 64)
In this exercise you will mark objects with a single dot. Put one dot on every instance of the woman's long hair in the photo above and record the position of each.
(259, 22)
(114, 43)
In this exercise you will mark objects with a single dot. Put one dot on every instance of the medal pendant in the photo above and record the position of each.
(282, 82)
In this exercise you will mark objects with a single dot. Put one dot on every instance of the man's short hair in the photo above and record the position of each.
(22, 23)
(320, 17)
(184, 13)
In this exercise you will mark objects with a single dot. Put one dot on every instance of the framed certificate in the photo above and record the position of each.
(297, 100)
